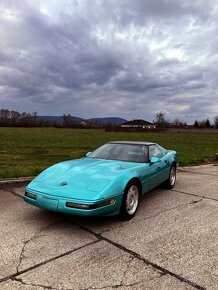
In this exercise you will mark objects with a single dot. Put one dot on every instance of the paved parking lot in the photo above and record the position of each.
(172, 243)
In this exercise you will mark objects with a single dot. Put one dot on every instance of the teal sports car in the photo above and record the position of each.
(108, 181)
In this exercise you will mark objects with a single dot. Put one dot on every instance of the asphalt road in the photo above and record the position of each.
(172, 243)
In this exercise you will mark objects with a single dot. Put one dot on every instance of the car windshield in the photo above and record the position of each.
(122, 152)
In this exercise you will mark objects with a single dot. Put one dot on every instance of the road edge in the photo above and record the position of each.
(17, 180)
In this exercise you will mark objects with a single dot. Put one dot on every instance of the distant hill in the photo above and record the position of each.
(101, 121)
(108, 120)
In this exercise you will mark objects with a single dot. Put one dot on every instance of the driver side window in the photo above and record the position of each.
(154, 151)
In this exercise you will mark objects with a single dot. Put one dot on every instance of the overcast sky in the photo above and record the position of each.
(126, 58)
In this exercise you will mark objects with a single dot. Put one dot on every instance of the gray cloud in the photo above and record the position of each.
(106, 58)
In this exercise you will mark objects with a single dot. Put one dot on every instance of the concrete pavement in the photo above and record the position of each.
(172, 242)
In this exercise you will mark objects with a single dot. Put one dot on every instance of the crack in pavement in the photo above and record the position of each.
(189, 171)
(12, 276)
(139, 257)
(121, 284)
(36, 285)
(116, 286)
(155, 215)
(169, 209)
(127, 269)
(89, 288)
(193, 194)
(25, 243)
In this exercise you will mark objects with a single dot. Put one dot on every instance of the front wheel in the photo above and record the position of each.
(171, 181)
(130, 201)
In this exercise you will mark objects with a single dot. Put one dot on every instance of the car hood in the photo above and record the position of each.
(83, 178)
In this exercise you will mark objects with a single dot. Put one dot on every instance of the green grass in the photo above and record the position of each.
(27, 151)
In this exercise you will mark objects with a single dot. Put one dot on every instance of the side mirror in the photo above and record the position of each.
(155, 159)
(87, 154)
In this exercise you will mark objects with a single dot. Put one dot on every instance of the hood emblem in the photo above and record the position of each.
(63, 183)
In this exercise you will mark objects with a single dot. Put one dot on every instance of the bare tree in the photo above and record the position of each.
(68, 121)
(161, 121)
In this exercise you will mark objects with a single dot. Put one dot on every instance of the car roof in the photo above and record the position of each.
(132, 143)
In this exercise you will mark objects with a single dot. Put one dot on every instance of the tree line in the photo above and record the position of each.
(15, 119)
(162, 122)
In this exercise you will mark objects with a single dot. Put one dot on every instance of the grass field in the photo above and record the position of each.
(27, 151)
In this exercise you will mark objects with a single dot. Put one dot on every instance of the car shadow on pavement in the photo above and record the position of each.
(100, 224)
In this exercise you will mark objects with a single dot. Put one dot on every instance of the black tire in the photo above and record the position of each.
(131, 192)
(171, 181)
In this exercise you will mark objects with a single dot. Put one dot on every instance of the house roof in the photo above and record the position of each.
(137, 122)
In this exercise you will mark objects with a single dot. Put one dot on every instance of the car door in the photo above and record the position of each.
(157, 171)
(143, 172)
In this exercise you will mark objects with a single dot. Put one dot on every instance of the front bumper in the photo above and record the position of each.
(58, 204)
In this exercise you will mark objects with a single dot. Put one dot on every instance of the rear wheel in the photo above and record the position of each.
(130, 201)
(171, 181)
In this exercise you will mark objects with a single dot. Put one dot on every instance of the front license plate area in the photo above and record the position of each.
(48, 203)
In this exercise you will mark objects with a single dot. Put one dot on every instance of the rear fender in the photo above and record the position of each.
(173, 157)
